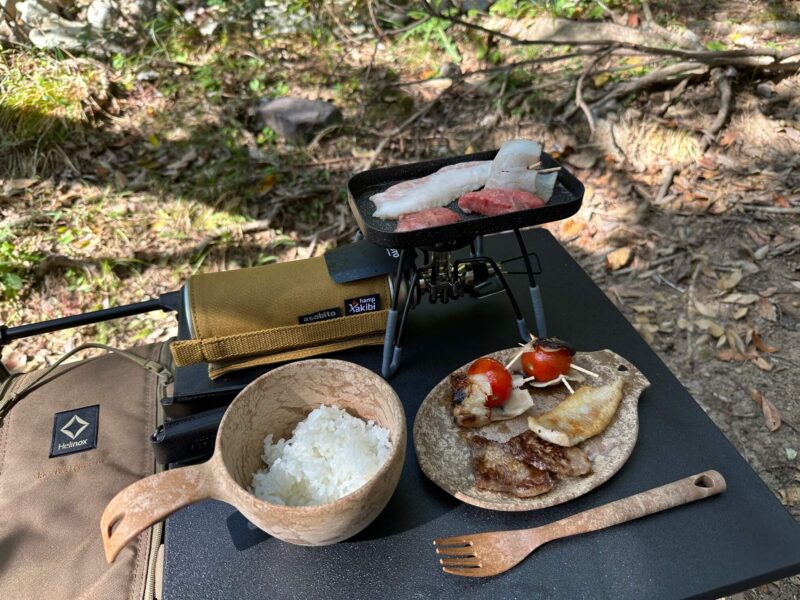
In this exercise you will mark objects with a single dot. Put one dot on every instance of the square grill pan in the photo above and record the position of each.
(566, 200)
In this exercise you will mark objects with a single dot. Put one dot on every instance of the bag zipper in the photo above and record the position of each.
(157, 530)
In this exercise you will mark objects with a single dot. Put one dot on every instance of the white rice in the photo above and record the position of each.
(329, 455)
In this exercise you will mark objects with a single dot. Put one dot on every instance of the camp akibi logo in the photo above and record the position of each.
(362, 304)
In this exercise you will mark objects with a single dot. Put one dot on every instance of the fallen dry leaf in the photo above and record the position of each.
(645, 332)
(729, 281)
(762, 364)
(790, 495)
(763, 346)
(737, 298)
(17, 185)
(735, 341)
(767, 292)
(766, 310)
(781, 201)
(772, 418)
(572, 227)
(727, 139)
(619, 258)
(267, 183)
(644, 308)
(729, 355)
(184, 161)
(740, 313)
(756, 236)
(711, 327)
(707, 310)
(15, 360)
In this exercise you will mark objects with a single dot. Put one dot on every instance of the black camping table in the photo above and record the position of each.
(717, 546)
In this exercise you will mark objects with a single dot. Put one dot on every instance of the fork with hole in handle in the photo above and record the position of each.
(485, 554)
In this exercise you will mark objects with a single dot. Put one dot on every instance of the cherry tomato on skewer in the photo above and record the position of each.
(549, 359)
(498, 376)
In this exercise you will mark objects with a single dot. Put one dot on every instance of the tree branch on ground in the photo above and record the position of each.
(579, 101)
(600, 34)
(723, 83)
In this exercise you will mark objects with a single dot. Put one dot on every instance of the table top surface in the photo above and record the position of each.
(720, 545)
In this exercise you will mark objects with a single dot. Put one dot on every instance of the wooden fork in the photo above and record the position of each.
(485, 554)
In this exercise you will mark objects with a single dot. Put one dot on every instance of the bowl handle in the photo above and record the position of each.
(150, 500)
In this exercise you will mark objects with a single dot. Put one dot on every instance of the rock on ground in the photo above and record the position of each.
(297, 119)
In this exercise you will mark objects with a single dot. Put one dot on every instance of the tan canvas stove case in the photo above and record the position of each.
(279, 312)
(66, 448)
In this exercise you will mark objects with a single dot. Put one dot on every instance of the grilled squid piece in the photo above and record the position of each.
(584, 414)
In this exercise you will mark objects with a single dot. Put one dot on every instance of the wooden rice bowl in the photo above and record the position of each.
(442, 447)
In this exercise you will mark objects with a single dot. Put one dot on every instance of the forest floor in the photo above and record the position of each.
(164, 165)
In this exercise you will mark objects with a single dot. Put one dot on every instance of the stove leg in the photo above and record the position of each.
(478, 246)
(391, 358)
(536, 295)
(538, 311)
(522, 326)
(396, 321)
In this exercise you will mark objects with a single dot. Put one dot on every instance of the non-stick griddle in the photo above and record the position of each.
(566, 200)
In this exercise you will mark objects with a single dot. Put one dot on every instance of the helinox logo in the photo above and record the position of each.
(75, 420)
(75, 430)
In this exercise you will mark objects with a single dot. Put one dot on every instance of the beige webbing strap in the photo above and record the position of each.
(8, 398)
(277, 339)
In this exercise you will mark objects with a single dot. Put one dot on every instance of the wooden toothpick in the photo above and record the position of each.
(582, 370)
(516, 357)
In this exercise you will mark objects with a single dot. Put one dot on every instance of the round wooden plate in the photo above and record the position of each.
(443, 448)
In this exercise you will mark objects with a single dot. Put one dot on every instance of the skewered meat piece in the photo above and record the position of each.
(469, 399)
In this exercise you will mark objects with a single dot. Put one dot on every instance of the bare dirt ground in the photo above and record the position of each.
(170, 176)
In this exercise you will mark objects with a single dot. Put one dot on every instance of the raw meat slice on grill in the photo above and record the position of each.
(498, 202)
(432, 191)
(496, 470)
(432, 217)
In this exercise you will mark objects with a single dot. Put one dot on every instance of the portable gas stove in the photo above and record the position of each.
(427, 263)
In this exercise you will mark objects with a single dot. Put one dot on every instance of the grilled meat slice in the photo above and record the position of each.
(469, 399)
(497, 471)
(531, 449)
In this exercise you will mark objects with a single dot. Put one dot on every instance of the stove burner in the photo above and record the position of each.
(442, 277)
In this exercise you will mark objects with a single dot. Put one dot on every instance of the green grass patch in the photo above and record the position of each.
(43, 101)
